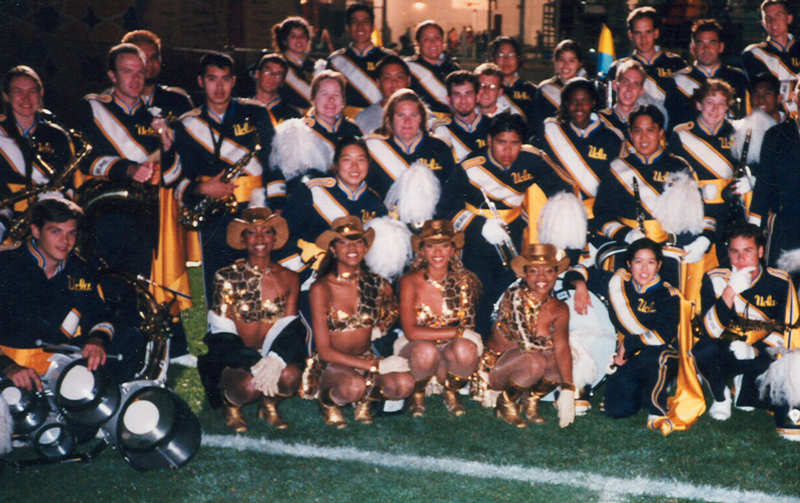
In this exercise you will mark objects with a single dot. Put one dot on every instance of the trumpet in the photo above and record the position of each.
(506, 251)
(199, 215)
(21, 226)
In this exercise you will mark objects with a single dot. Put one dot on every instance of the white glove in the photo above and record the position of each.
(696, 249)
(746, 183)
(742, 350)
(50, 194)
(634, 235)
(475, 338)
(376, 333)
(393, 364)
(493, 231)
(566, 408)
(740, 280)
(266, 374)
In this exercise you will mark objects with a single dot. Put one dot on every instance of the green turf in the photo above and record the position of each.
(744, 452)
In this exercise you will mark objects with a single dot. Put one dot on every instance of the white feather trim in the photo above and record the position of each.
(758, 122)
(563, 222)
(319, 66)
(680, 207)
(789, 261)
(781, 381)
(414, 194)
(584, 367)
(6, 427)
(258, 198)
(297, 149)
(391, 249)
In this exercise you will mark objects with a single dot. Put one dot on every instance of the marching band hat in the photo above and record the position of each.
(437, 232)
(540, 255)
(257, 217)
(349, 227)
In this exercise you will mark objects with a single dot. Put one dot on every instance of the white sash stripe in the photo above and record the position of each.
(387, 157)
(327, 206)
(651, 88)
(552, 93)
(570, 158)
(229, 152)
(171, 175)
(621, 306)
(625, 172)
(478, 176)
(429, 81)
(276, 189)
(505, 104)
(11, 151)
(458, 147)
(274, 332)
(706, 155)
(101, 165)
(357, 78)
(686, 84)
(119, 135)
(299, 85)
(650, 338)
(293, 263)
(774, 64)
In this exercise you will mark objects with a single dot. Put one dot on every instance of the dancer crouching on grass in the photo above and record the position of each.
(529, 348)
(350, 307)
(438, 298)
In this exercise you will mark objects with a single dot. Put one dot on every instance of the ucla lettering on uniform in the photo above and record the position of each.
(80, 285)
(596, 153)
(435, 166)
(481, 143)
(46, 148)
(371, 66)
(522, 177)
(767, 301)
(663, 72)
(521, 95)
(366, 216)
(646, 307)
(243, 129)
(726, 143)
(659, 176)
(795, 62)
(145, 130)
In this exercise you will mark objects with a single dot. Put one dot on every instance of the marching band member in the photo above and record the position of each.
(358, 62)
(730, 297)
(467, 128)
(646, 315)
(660, 66)
(211, 140)
(528, 354)
(568, 61)
(629, 86)
(779, 54)
(438, 298)
(172, 101)
(507, 54)
(315, 204)
(291, 38)
(430, 66)
(351, 307)
(256, 341)
(491, 100)
(706, 145)
(393, 74)
(765, 94)
(405, 139)
(26, 134)
(270, 77)
(707, 48)
(49, 293)
(506, 170)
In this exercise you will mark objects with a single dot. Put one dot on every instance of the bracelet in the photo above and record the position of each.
(460, 332)
(374, 368)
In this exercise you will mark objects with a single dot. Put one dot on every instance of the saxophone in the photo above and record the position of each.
(197, 217)
(21, 226)
(738, 328)
(156, 326)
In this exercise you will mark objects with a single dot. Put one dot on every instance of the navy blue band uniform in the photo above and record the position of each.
(464, 138)
(521, 93)
(64, 309)
(19, 168)
(207, 148)
(280, 110)
(646, 318)
(546, 103)
(678, 102)
(771, 296)
(660, 70)
(298, 82)
(463, 203)
(433, 92)
(782, 62)
(310, 210)
(614, 118)
(362, 65)
(172, 101)
(390, 158)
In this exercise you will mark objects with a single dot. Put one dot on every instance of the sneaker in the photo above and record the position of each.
(186, 360)
(721, 410)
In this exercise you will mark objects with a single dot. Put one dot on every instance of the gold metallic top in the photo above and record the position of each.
(238, 295)
(518, 317)
(375, 308)
(460, 292)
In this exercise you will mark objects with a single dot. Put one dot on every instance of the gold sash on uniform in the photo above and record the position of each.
(652, 229)
(244, 186)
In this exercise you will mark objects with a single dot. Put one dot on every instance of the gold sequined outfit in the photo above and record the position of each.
(238, 295)
(375, 308)
(518, 317)
(460, 292)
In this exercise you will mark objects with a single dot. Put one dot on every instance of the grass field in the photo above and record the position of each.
(475, 458)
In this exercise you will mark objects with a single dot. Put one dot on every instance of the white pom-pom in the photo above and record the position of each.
(680, 207)
(296, 149)
(781, 381)
(391, 250)
(789, 261)
(319, 66)
(258, 198)
(584, 366)
(563, 222)
(758, 122)
(414, 194)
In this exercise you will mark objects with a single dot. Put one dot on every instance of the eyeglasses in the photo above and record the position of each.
(511, 55)
(490, 86)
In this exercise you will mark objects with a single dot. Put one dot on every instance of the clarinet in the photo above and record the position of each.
(736, 214)
(506, 251)
(639, 209)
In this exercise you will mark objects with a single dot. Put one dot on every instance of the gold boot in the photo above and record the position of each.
(506, 407)
(363, 412)
(530, 404)
(416, 402)
(268, 411)
(452, 386)
(331, 412)
(232, 414)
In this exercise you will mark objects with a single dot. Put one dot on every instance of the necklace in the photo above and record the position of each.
(347, 276)
(433, 282)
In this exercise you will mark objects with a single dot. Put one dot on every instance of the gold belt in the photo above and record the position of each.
(652, 229)
(721, 184)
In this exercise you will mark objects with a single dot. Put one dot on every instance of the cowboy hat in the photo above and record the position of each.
(540, 255)
(257, 217)
(437, 232)
(348, 227)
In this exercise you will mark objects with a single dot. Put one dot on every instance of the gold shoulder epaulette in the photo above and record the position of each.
(375, 136)
(779, 273)
(190, 113)
(684, 127)
(475, 161)
(251, 101)
(324, 182)
(103, 98)
(5, 247)
(176, 89)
